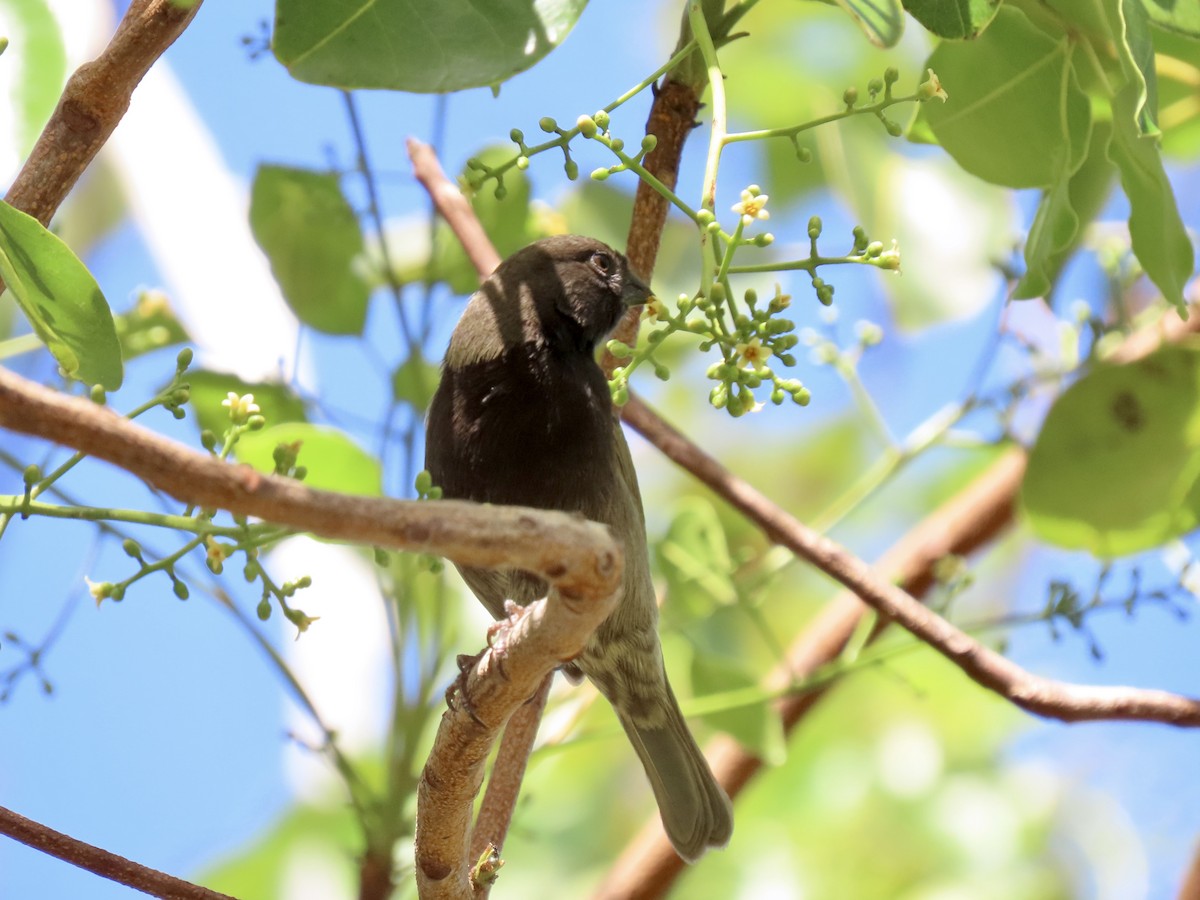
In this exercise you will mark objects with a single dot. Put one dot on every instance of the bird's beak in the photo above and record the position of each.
(636, 290)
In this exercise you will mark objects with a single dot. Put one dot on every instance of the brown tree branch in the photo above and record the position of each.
(525, 649)
(504, 782)
(93, 102)
(577, 557)
(101, 862)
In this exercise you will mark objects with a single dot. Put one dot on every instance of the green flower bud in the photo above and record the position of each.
(649, 142)
(893, 128)
(617, 145)
(184, 359)
(208, 440)
(517, 136)
(713, 227)
(435, 493)
(620, 349)
(850, 96)
(300, 473)
(766, 239)
(814, 227)
(131, 548)
(825, 294)
(600, 174)
(256, 422)
(97, 394)
(501, 191)
(423, 482)
(264, 609)
(804, 154)
(704, 217)
(787, 359)
(32, 475)
(661, 372)
(719, 396)
(547, 124)
(621, 395)
(382, 558)
(571, 168)
(874, 249)
(587, 126)
(891, 75)
(522, 163)
(178, 413)
(777, 396)
(751, 296)
(181, 590)
(601, 119)
(802, 396)
(874, 86)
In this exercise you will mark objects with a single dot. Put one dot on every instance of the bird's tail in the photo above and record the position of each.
(696, 813)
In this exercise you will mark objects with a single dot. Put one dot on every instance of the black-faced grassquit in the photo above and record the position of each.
(523, 416)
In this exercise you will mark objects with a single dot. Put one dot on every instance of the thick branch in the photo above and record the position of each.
(93, 102)
(101, 862)
(577, 557)
(525, 649)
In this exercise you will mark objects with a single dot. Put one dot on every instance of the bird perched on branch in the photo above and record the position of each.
(523, 417)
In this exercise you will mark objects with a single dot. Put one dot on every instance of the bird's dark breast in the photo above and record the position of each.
(531, 428)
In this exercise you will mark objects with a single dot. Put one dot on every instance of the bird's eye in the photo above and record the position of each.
(601, 262)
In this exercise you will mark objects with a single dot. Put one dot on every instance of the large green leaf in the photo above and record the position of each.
(1156, 230)
(41, 66)
(60, 298)
(694, 557)
(882, 21)
(1016, 114)
(1064, 212)
(405, 45)
(311, 236)
(1182, 16)
(277, 402)
(334, 462)
(1116, 464)
(954, 19)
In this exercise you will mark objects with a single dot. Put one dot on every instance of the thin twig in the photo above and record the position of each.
(101, 862)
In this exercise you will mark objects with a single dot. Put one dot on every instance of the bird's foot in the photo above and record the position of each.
(456, 693)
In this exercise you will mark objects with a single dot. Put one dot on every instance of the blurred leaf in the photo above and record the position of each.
(311, 236)
(150, 325)
(415, 380)
(1116, 465)
(424, 48)
(1177, 15)
(882, 21)
(40, 59)
(278, 402)
(506, 221)
(1178, 62)
(1065, 211)
(756, 727)
(694, 557)
(333, 460)
(60, 298)
(954, 19)
(1160, 239)
(1016, 114)
(93, 209)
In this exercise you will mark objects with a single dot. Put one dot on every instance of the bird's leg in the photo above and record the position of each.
(497, 633)
(456, 693)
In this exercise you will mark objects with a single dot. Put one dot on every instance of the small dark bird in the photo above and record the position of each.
(523, 417)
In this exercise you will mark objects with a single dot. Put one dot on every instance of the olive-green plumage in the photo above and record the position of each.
(522, 416)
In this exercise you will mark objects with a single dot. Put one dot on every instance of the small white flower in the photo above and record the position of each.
(753, 353)
(932, 87)
(752, 206)
(240, 408)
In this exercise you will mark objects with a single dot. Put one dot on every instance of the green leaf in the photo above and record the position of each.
(1064, 212)
(414, 381)
(1016, 114)
(954, 19)
(505, 219)
(312, 238)
(60, 298)
(694, 557)
(277, 402)
(1116, 464)
(334, 462)
(40, 59)
(1176, 15)
(1160, 240)
(882, 21)
(150, 325)
(404, 45)
(1130, 25)
(755, 726)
